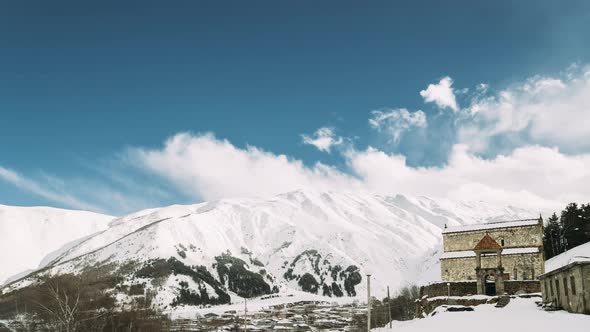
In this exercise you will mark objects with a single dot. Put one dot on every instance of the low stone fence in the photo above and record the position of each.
(466, 288)
(457, 288)
(522, 286)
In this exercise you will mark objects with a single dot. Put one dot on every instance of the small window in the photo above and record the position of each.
(502, 242)
(565, 287)
(557, 289)
(548, 281)
(573, 285)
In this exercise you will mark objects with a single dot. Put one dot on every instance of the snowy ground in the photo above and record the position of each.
(519, 315)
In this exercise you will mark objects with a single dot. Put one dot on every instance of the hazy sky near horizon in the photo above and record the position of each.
(117, 106)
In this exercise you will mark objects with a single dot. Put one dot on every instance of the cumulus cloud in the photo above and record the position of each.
(210, 168)
(323, 139)
(441, 94)
(531, 176)
(548, 111)
(394, 122)
(543, 123)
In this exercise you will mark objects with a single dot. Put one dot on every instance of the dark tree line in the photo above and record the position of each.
(568, 230)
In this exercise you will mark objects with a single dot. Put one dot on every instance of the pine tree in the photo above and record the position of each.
(572, 224)
(569, 230)
(552, 237)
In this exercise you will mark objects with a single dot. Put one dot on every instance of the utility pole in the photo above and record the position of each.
(245, 314)
(368, 302)
(388, 307)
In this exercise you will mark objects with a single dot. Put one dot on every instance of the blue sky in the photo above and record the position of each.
(88, 90)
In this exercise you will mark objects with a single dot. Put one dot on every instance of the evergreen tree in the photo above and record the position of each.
(573, 226)
(552, 237)
(569, 230)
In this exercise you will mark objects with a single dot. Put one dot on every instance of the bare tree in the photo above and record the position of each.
(63, 307)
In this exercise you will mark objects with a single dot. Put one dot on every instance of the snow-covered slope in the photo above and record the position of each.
(519, 315)
(27, 234)
(320, 242)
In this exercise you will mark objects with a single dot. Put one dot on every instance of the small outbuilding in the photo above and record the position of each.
(566, 281)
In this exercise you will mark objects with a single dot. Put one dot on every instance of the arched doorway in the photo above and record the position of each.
(490, 285)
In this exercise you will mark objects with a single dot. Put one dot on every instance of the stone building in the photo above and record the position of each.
(492, 253)
(566, 281)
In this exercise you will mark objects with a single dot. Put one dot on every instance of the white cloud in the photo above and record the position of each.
(441, 94)
(531, 176)
(543, 110)
(47, 191)
(540, 120)
(209, 168)
(397, 121)
(323, 139)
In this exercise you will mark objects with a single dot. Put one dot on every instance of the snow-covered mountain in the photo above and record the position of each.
(27, 234)
(318, 242)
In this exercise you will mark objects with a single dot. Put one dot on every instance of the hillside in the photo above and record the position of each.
(28, 234)
(320, 243)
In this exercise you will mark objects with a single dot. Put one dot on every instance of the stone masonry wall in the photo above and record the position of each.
(466, 288)
(441, 289)
(525, 236)
(518, 267)
(527, 286)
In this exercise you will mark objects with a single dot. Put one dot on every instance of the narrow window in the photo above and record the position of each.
(565, 287)
(573, 285)
(557, 289)
(550, 286)
(502, 242)
(533, 274)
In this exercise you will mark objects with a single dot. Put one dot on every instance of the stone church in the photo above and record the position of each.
(493, 253)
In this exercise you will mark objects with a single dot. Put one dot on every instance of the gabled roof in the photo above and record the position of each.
(579, 254)
(487, 243)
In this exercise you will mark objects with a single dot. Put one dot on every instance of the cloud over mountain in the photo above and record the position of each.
(526, 144)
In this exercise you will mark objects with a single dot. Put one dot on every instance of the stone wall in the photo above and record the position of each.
(525, 286)
(518, 266)
(560, 293)
(441, 289)
(524, 236)
(466, 288)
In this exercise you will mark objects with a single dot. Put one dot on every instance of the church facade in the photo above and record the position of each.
(492, 253)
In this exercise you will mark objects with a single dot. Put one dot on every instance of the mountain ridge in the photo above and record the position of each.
(319, 242)
(30, 233)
